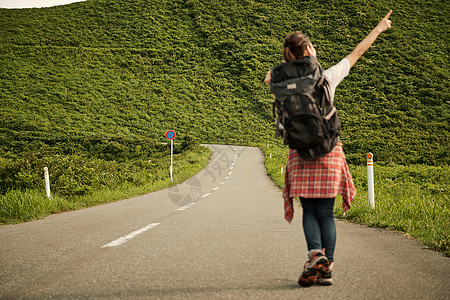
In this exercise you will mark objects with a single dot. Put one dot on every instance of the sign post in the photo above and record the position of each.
(370, 184)
(170, 135)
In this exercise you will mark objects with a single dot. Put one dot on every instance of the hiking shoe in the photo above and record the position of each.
(317, 262)
(324, 277)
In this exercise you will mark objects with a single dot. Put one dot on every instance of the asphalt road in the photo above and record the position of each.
(220, 235)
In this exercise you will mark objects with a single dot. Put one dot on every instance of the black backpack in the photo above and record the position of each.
(307, 118)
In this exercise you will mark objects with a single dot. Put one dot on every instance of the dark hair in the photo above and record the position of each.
(295, 46)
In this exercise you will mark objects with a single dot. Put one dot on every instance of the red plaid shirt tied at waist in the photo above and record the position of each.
(323, 177)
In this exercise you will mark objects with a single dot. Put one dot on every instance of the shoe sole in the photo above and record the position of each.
(319, 263)
(309, 276)
(325, 281)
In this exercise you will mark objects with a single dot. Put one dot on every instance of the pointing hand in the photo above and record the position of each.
(385, 23)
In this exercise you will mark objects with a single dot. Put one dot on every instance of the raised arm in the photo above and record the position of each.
(359, 50)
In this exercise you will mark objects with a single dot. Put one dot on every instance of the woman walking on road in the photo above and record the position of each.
(318, 181)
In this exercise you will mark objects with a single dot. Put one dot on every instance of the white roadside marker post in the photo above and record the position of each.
(370, 183)
(47, 182)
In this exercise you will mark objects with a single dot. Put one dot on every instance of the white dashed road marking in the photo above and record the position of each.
(128, 237)
(186, 206)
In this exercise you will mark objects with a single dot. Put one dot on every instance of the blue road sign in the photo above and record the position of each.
(170, 134)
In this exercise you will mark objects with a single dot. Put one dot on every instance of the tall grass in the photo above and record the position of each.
(18, 206)
(413, 199)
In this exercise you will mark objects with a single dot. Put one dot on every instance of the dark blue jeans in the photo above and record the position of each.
(318, 224)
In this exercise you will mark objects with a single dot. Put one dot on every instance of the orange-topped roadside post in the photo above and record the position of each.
(370, 184)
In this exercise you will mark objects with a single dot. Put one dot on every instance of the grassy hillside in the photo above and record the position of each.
(95, 85)
(136, 68)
